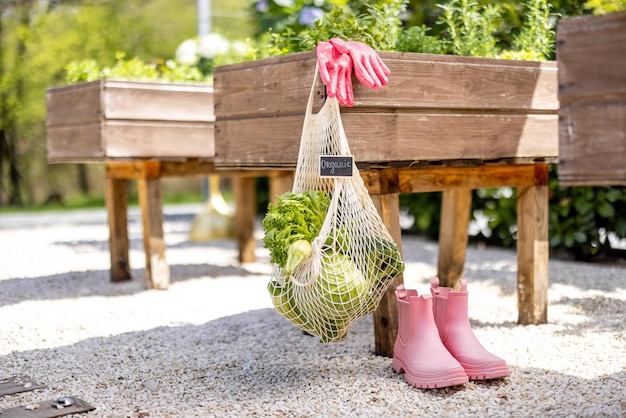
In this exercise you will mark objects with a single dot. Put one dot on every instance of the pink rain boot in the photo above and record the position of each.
(450, 310)
(418, 351)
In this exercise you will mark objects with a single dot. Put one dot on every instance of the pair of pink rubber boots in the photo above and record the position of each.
(436, 346)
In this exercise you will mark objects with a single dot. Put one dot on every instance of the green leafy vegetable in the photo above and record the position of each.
(296, 216)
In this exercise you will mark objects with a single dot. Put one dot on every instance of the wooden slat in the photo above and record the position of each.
(532, 254)
(436, 178)
(273, 86)
(184, 102)
(47, 409)
(75, 143)
(454, 82)
(116, 192)
(592, 90)
(127, 139)
(453, 236)
(417, 81)
(593, 144)
(384, 137)
(376, 137)
(76, 104)
(18, 384)
(590, 53)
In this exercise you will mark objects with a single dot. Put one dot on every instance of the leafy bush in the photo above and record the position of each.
(581, 219)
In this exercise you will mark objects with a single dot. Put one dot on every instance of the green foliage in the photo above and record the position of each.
(379, 27)
(417, 39)
(471, 27)
(536, 40)
(605, 6)
(296, 216)
(580, 218)
(133, 68)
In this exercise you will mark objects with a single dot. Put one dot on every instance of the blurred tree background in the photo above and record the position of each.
(38, 38)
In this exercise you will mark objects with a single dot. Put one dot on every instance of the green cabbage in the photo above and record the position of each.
(340, 287)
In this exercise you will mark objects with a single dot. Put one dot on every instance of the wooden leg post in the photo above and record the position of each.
(386, 315)
(116, 195)
(245, 213)
(532, 254)
(280, 184)
(455, 214)
(157, 269)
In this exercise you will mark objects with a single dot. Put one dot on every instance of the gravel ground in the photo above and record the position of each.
(212, 345)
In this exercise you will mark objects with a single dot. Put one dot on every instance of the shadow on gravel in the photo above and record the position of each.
(256, 364)
(78, 284)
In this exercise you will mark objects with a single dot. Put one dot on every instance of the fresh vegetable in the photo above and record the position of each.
(282, 299)
(341, 286)
(296, 216)
(384, 261)
(297, 252)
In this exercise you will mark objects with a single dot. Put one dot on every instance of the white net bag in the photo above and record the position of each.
(333, 256)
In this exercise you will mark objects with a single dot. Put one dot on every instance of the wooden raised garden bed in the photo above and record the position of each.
(592, 92)
(144, 131)
(443, 123)
(129, 119)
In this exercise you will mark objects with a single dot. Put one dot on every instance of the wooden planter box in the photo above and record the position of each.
(436, 108)
(591, 54)
(109, 119)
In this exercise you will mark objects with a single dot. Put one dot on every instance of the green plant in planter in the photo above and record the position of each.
(195, 61)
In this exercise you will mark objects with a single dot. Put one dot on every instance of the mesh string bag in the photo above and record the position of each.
(353, 258)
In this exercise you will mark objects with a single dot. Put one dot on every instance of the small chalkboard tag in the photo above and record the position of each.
(336, 166)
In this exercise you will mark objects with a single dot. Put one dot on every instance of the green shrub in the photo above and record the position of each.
(580, 218)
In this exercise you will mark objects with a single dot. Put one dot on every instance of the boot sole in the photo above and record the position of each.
(449, 379)
(492, 373)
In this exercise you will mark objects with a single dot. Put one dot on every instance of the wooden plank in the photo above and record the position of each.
(116, 195)
(148, 169)
(48, 409)
(532, 254)
(386, 314)
(592, 139)
(383, 137)
(18, 384)
(157, 272)
(140, 100)
(590, 54)
(244, 189)
(271, 87)
(455, 82)
(75, 143)
(440, 178)
(418, 80)
(453, 236)
(75, 104)
(138, 139)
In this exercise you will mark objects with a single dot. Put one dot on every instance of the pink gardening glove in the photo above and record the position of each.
(369, 69)
(335, 68)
